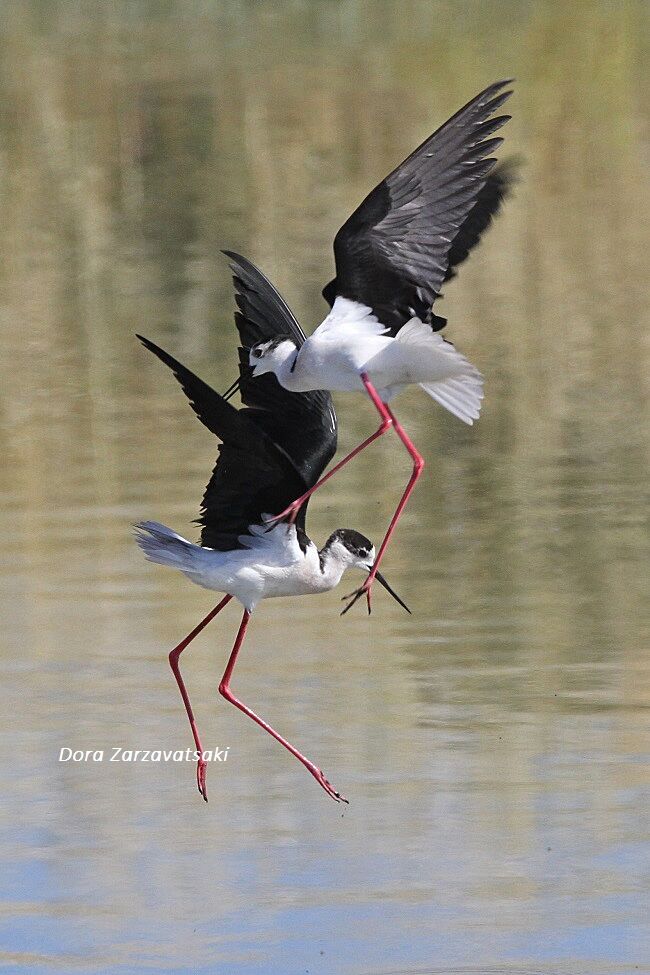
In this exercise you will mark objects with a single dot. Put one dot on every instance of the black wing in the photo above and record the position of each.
(392, 254)
(489, 201)
(254, 474)
(263, 312)
(303, 423)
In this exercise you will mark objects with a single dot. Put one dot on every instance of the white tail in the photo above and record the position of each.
(442, 372)
(162, 545)
(461, 396)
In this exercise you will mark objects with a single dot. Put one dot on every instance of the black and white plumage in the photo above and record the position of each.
(395, 251)
(274, 448)
(262, 464)
(392, 256)
(303, 425)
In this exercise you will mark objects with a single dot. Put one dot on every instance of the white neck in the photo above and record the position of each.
(332, 570)
(283, 369)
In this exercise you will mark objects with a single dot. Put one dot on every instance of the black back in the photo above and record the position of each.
(264, 462)
(393, 252)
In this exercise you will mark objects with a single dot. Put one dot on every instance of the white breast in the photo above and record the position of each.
(337, 352)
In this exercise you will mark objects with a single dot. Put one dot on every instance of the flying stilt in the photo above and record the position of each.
(272, 450)
(392, 256)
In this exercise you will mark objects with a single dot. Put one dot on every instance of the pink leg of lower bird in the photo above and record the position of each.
(289, 514)
(173, 662)
(224, 689)
(418, 465)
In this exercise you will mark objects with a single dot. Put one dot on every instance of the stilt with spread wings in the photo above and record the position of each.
(392, 257)
(272, 450)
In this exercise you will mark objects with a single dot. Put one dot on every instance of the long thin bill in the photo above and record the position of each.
(379, 577)
(231, 390)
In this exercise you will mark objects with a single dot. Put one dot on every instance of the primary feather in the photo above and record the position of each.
(393, 252)
(261, 466)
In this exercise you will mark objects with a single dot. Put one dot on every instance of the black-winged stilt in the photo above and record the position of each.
(392, 256)
(272, 450)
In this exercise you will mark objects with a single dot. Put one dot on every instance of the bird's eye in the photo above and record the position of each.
(255, 353)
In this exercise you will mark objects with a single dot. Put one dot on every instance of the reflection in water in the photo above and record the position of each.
(492, 745)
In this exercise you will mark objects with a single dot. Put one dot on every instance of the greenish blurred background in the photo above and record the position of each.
(493, 745)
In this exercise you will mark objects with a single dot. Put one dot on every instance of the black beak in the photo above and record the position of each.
(379, 577)
(230, 392)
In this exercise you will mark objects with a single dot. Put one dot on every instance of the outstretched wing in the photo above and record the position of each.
(253, 475)
(303, 424)
(489, 201)
(392, 254)
(263, 312)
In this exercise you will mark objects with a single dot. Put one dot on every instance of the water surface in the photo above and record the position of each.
(494, 744)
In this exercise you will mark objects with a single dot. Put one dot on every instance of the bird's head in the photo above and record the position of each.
(352, 550)
(272, 355)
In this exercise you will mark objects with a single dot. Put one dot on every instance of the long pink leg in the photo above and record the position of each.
(173, 662)
(224, 689)
(418, 465)
(291, 512)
